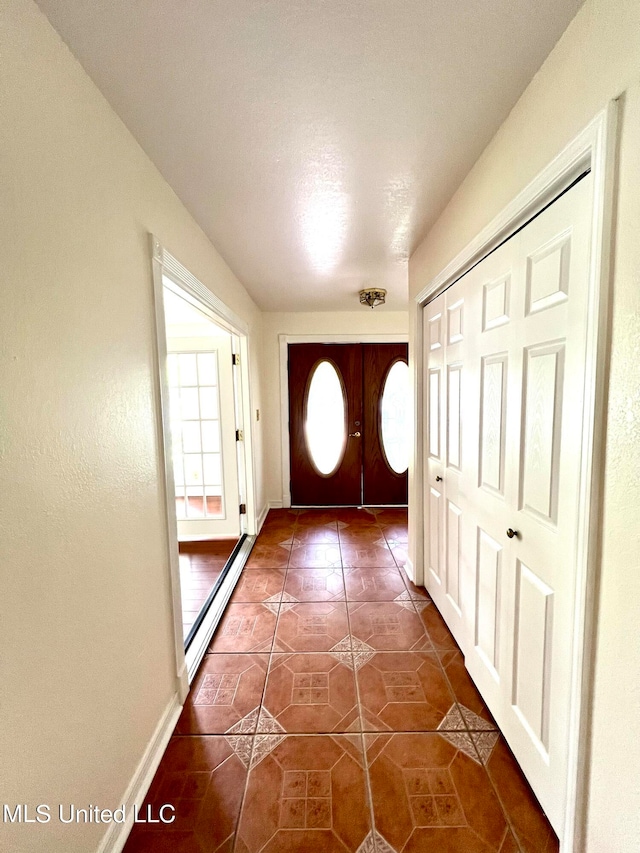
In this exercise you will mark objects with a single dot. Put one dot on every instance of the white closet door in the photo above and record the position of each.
(434, 332)
(545, 432)
(445, 320)
(523, 393)
(488, 359)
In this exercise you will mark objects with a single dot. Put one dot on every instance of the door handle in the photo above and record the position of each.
(511, 533)
(438, 479)
(354, 435)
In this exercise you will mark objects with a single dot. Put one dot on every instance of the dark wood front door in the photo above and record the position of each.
(380, 483)
(309, 485)
(336, 390)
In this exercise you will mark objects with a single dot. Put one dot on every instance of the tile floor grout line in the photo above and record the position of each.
(505, 811)
(275, 629)
(266, 677)
(244, 794)
(433, 651)
(469, 731)
(369, 790)
(365, 764)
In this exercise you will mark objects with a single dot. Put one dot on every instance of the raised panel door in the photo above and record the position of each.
(435, 332)
(507, 512)
(543, 482)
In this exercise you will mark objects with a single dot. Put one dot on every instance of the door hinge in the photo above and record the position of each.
(239, 435)
(243, 509)
(235, 359)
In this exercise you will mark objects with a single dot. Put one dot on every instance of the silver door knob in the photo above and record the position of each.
(438, 479)
(511, 533)
(354, 435)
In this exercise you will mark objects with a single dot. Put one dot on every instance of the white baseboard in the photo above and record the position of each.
(116, 835)
(183, 683)
(262, 516)
(408, 567)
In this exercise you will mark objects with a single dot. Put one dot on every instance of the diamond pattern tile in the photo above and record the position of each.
(308, 793)
(403, 691)
(315, 556)
(226, 688)
(373, 584)
(388, 626)
(334, 713)
(369, 555)
(428, 794)
(259, 585)
(310, 693)
(463, 687)
(272, 556)
(312, 626)
(244, 628)
(315, 584)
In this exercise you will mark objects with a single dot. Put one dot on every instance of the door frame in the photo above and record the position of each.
(283, 342)
(595, 149)
(166, 266)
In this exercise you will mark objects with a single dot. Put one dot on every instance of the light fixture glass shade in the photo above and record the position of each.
(373, 296)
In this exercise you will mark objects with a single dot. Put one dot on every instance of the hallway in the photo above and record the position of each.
(333, 713)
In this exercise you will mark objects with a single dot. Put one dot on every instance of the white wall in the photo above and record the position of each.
(364, 321)
(597, 59)
(87, 663)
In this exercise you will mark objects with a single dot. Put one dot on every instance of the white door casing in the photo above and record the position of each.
(512, 335)
(167, 271)
(593, 148)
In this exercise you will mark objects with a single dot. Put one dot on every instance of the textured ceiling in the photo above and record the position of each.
(314, 141)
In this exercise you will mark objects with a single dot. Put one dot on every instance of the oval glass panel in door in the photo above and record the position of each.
(325, 421)
(394, 416)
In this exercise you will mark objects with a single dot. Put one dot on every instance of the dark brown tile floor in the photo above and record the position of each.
(200, 567)
(333, 712)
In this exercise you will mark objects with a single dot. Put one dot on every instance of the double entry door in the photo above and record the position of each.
(348, 424)
(505, 390)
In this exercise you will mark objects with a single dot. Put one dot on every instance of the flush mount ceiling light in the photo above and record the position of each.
(373, 296)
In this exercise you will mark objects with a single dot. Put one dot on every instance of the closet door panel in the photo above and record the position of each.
(435, 449)
(493, 414)
(533, 653)
(487, 408)
(553, 256)
(445, 330)
(435, 537)
(453, 561)
(456, 583)
(488, 605)
(543, 391)
(454, 416)
(504, 390)
(531, 355)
